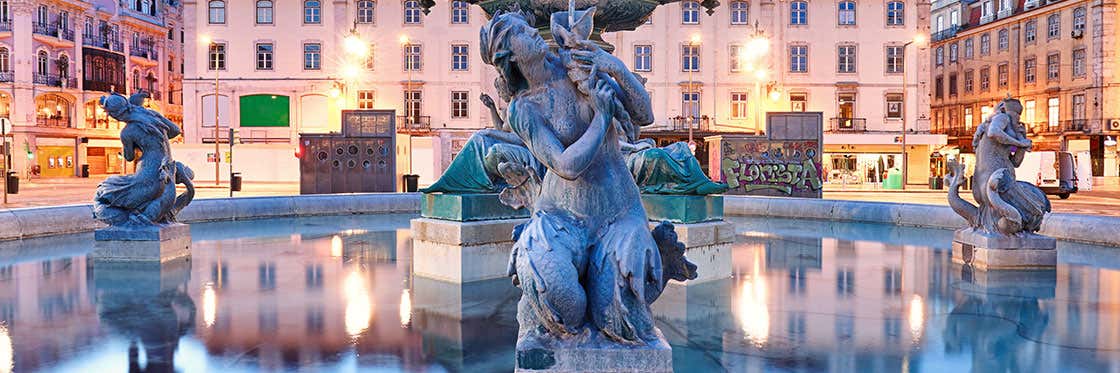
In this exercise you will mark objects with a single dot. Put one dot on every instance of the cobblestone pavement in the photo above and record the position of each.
(1103, 200)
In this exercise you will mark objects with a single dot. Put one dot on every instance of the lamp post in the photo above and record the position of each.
(694, 106)
(919, 39)
(212, 47)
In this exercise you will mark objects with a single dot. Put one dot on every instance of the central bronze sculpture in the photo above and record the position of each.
(586, 261)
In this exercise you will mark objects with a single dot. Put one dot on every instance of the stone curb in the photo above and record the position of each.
(1098, 230)
(44, 221)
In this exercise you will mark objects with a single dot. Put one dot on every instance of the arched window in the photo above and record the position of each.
(217, 12)
(135, 80)
(798, 13)
(147, 8)
(1079, 18)
(264, 12)
(5, 60)
(43, 63)
(312, 11)
(739, 12)
(896, 13)
(365, 11)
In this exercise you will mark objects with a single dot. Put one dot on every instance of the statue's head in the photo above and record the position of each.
(116, 105)
(508, 40)
(1012, 106)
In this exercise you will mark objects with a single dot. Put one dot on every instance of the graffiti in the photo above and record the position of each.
(789, 168)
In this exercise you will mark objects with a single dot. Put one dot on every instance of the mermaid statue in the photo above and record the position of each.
(667, 170)
(586, 261)
(146, 198)
(1004, 206)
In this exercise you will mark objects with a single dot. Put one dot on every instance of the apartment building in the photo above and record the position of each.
(57, 57)
(1057, 57)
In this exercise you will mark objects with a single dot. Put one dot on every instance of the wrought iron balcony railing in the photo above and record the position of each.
(52, 121)
(682, 123)
(52, 29)
(945, 34)
(5, 26)
(7, 76)
(414, 123)
(103, 42)
(145, 52)
(847, 125)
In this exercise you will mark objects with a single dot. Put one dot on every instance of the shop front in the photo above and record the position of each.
(53, 159)
(874, 160)
(104, 157)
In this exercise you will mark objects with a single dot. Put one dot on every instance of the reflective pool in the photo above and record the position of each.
(336, 294)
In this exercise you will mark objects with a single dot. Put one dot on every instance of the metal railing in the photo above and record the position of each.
(61, 122)
(945, 34)
(102, 42)
(52, 29)
(7, 76)
(414, 123)
(682, 123)
(145, 52)
(103, 86)
(5, 26)
(47, 79)
(847, 125)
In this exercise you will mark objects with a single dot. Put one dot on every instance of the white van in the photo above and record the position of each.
(1053, 172)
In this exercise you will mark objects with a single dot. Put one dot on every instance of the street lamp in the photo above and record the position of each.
(919, 40)
(212, 47)
(692, 43)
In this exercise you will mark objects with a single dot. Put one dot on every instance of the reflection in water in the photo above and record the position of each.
(303, 294)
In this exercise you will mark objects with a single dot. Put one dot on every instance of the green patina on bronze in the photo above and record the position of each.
(683, 209)
(468, 207)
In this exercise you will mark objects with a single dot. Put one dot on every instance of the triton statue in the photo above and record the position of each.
(587, 263)
(147, 197)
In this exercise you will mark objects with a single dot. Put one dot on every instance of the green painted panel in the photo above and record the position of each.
(265, 111)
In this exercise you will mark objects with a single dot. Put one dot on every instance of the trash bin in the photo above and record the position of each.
(936, 183)
(893, 180)
(235, 182)
(13, 183)
(85, 170)
(411, 183)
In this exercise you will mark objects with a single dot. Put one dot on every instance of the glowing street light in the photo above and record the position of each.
(350, 71)
(355, 46)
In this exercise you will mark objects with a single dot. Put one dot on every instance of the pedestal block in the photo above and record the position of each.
(468, 327)
(683, 208)
(984, 251)
(153, 244)
(458, 252)
(468, 207)
(593, 355)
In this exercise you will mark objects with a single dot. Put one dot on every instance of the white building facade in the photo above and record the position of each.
(841, 58)
(57, 57)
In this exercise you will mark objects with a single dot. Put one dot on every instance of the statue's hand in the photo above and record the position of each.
(590, 53)
(603, 96)
(486, 100)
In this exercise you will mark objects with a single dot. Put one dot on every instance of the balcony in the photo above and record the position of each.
(52, 121)
(1075, 125)
(103, 86)
(102, 42)
(682, 124)
(847, 125)
(144, 52)
(55, 81)
(7, 76)
(414, 124)
(52, 30)
(945, 34)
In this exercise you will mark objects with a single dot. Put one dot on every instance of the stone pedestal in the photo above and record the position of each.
(698, 221)
(463, 237)
(683, 208)
(593, 355)
(149, 244)
(985, 251)
(468, 207)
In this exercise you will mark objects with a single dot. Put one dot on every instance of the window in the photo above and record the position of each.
(952, 84)
(1079, 62)
(135, 80)
(365, 99)
(799, 13)
(1052, 106)
(217, 56)
(460, 12)
(217, 12)
(312, 56)
(365, 11)
(953, 52)
(5, 11)
(1079, 110)
(690, 58)
(459, 104)
(312, 12)
(846, 59)
(1001, 75)
(1003, 40)
(985, 79)
(264, 12)
(43, 63)
(412, 12)
(739, 12)
(1030, 31)
(459, 57)
(798, 102)
(798, 58)
(5, 60)
(1053, 63)
(1054, 26)
(895, 59)
(939, 56)
(643, 58)
(939, 25)
(985, 44)
(1029, 67)
(690, 105)
(1079, 19)
(985, 112)
(894, 106)
(846, 13)
(690, 12)
(968, 80)
(955, 17)
(413, 57)
(738, 105)
(968, 50)
(414, 104)
(1029, 111)
(939, 85)
(264, 56)
(735, 52)
(968, 117)
(896, 13)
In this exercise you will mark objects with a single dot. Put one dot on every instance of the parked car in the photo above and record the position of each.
(1053, 172)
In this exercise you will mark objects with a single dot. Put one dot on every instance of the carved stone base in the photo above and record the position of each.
(468, 207)
(984, 251)
(708, 245)
(683, 208)
(595, 354)
(460, 252)
(155, 244)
